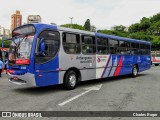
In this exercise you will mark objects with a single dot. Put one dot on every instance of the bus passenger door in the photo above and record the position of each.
(46, 58)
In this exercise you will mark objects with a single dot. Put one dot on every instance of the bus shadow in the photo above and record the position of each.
(59, 88)
(40, 90)
(107, 80)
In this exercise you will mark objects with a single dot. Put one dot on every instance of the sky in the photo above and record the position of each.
(104, 14)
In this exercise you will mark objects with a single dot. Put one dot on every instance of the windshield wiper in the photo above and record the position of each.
(20, 36)
(24, 38)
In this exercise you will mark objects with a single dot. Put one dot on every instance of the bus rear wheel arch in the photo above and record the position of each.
(71, 78)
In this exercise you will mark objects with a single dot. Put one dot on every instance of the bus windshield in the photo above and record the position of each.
(20, 49)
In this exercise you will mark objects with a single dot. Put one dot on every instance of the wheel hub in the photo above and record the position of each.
(72, 80)
(135, 71)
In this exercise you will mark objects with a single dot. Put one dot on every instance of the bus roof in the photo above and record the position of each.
(121, 38)
(90, 33)
(76, 30)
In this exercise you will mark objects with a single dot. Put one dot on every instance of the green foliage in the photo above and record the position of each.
(6, 43)
(87, 25)
(120, 28)
(140, 36)
(155, 42)
(147, 29)
(155, 18)
(145, 24)
(155, 29)
(74, 26)
(113, 32)
(134, 28)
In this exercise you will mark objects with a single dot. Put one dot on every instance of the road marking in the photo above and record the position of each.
(97, 87)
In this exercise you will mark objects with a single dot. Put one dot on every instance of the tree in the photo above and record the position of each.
(87, 25)
(74, 26)
(155, 18)
(113, 32)
(134, 28)
(119, 28)
(154, 29)
(157, 28)
(145, 24)
(140, 36)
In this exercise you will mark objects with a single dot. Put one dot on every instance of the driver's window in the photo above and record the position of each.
(47, 46)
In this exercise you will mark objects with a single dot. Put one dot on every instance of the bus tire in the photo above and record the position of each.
(156, 64)
(134, 71)
(70, 80)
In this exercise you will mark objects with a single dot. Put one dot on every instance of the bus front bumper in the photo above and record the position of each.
(27, 79)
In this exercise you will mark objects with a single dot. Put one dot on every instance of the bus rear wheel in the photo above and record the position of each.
(70, 80)
(134, 71)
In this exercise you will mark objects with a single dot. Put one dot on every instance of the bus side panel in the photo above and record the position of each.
(47, 74)
(146, 62)
(102, 63)
(127, 61)
(139, 59)
(114, 65)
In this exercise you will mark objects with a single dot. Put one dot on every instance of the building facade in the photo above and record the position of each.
(34, 19)
(16, 20)
(7, 33)
(4, 32)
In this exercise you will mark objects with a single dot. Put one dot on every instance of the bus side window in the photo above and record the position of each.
(113, 44)
(88, 45)
(135, 49)
(47, 46)
(71, 43)
(142, 49)
(124, 47)
(102, 46)
(148, 50)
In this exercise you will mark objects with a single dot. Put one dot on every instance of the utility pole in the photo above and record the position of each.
(71, 20)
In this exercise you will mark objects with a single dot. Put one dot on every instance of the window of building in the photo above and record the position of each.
(50, 41)
(88, 45)
(71, 43)
(102, 46)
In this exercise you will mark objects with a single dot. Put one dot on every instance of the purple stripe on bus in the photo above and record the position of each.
(106, 67)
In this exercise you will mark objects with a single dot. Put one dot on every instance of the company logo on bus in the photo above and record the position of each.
(101, 59)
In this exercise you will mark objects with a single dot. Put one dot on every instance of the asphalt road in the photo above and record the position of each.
(116, 94)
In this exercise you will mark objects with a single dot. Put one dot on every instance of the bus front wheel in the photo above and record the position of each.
(70, 80)
(134, 71)
(156, 64)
